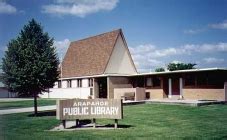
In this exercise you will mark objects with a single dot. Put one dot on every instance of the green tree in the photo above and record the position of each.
(180, 66)
(30, 64)
(159, 69)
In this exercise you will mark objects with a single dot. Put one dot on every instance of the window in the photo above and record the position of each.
(149, 82)
(59, 84)
(69, 83)
(190, 80)
(202, 80)
(156, 82)
(153, 82)
(90, 82)
(214, 81)
(91, 91)
(79, 83)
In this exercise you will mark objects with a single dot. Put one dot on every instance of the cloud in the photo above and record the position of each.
(212, 60)
(221, 25)
(194, 31)
(144, 59)
(152, 51)
(148, 57)
(203, 48)
(4, 48)
(80, 8)
(7, 8)
(62, 47)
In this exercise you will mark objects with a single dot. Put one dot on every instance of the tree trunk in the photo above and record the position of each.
(35, 104)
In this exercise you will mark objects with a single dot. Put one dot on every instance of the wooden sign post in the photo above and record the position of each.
(75, 109)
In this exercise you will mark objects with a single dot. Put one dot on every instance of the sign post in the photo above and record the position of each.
(75, 109)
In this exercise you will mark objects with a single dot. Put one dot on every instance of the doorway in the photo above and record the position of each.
(175, 86)
(102, 86)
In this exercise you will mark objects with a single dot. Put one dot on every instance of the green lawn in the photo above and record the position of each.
(28, 103)
(148, 121)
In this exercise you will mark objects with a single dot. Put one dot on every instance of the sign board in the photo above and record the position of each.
(72, 109)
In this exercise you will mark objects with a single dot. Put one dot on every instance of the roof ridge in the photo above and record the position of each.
(92, 36)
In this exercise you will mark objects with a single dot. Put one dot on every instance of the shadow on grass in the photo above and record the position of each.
(101, 126)
(119, 125)
(88, 123)
(43, 114)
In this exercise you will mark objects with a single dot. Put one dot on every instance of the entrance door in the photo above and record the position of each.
(175, 86)
(102, 83)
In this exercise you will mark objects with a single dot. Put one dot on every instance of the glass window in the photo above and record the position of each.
(59, 84)
(156, 82)
(153, 82)
(189, 80)
(79, 83)
(149, 82)
(69, 83)
(90, 82)
(202, 80)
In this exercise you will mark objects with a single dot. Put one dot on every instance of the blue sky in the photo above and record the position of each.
(157, 31)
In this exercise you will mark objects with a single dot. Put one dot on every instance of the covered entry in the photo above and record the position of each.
(175, 87)
(102, 87)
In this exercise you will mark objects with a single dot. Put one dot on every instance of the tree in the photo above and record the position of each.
(30, 64)
(180, 66)
(159, 69)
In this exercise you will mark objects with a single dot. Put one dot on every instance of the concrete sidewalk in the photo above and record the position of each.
(14, 99)
(28, 109)
(161, 101)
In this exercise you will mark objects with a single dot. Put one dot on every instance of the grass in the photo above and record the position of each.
(27, 103)
(148, 121)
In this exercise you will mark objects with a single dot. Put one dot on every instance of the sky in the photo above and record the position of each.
(157, 32)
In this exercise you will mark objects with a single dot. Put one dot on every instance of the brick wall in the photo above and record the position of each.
(119, 92)
(204, 94)
(116, 82)
(155, 93)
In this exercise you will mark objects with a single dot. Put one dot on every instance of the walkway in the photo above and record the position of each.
(28, 109)
(14, 99)
(161, 101)
(176, 102)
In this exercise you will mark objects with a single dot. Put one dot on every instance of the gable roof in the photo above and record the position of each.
(89, 56)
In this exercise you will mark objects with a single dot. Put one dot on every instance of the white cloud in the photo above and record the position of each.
(221, 25)
(79, 8)
(193, 31)
(7, 8)
(176, 61)
(144, 59)
(147, 57)
(3, 48)
(151, 51)
(212, 60)
(204, 48)
(62, 47)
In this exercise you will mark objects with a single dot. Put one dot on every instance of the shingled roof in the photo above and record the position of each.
(89, 56)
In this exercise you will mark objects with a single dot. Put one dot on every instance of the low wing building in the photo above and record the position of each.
(101, 66)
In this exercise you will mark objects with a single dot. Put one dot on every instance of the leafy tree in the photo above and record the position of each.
(180, 66)
(159, 69)
(30, 64)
